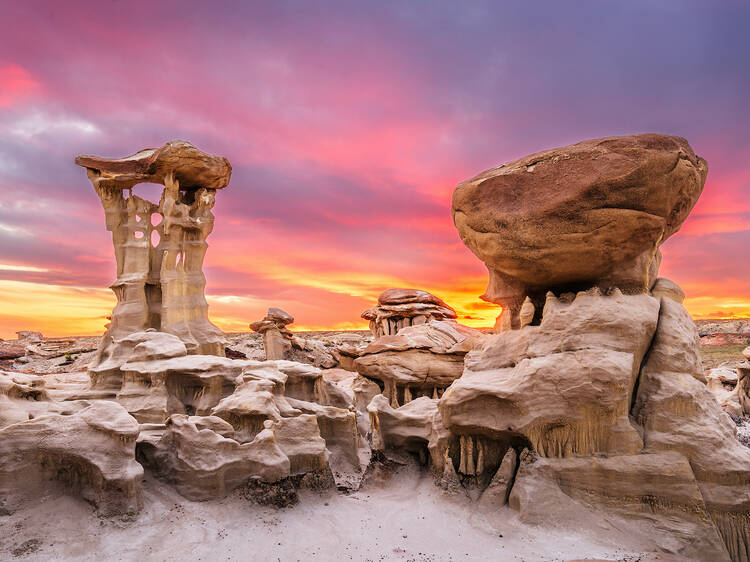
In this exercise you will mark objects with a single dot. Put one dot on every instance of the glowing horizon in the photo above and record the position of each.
(347, 127)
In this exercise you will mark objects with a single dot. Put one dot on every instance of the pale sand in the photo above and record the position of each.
(394, 517)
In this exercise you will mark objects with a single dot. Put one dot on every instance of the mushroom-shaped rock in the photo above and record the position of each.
(280, 343)
(398, 308)
(592, 213)
(418, 361)
(191, 167)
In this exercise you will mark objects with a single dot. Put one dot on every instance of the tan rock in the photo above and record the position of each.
(656, 494)
(278, 391)
(399, 308)
(678, 413)
(722, 382)
(418, 361)
(743, 387)
(667, 288)
(181, 458)
(89, 453)
(299, 438)
(12, 349)
(565, 385)
(190, 385)
(191, 167)
(590, 213)
(280, 343)
(29, 337)
(159, 248)
(25, 397)
(409, 427)
(496, 494)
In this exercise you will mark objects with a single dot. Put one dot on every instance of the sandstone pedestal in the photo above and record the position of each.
(159, 248)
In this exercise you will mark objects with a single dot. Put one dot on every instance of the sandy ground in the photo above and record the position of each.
(402, 517)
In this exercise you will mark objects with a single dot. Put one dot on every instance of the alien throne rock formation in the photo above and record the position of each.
(594, 395)
(159, 248)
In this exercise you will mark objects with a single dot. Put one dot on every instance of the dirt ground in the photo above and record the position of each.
(391, 518)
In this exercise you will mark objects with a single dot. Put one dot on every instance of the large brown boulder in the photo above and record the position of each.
(592, 213)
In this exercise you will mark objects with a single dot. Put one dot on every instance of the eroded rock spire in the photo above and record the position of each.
(159, 248)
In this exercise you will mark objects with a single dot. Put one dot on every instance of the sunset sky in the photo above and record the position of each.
(348, 124)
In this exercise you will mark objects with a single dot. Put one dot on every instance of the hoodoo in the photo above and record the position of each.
(159, 248)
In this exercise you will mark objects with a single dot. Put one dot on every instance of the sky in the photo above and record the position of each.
(348, 124)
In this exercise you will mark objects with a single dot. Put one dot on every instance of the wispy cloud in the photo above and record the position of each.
(348, 125)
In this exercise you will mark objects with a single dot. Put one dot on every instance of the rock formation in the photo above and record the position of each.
(159, 248)
(602, 394)
(590, 402)
(277, 339)
(280, 343)
(421, 360)
(592, 213)
(743, 383)
(87, 450)
(398, 308)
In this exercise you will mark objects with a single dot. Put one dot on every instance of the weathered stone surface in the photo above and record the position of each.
(192, 168)
(399, 308)
(657, 492)
(203, 464)
(359, 390)
(722, 382)
(159, 248)
(280, 343)
(667, 288)
(592, 213)
(281, 391)
(418, 361)
(138, 347)
(565, 385)
(12, 349)
(678, 413)
(89, 453)
(410, 427)
(496, 494)
(29, 337)
(743, 387)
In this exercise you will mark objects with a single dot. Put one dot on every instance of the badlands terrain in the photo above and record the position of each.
(594, 420)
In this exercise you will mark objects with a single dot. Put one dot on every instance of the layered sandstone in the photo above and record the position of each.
(421, 360)
(399, 308)
(159, 248)
(87, 450)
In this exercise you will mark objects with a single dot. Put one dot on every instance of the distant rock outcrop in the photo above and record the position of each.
(399, 308)
(280, 343)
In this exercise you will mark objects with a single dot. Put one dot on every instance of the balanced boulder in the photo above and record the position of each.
(592, 213)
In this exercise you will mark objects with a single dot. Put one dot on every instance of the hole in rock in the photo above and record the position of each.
(149, 191)
(138, 218)
(155, 238)
(138, 234)
(187, 196)
(156, 219)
